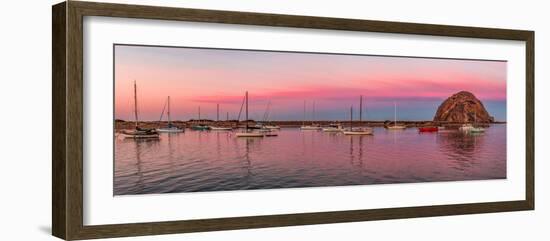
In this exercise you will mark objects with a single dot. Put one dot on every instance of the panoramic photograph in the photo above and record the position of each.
(190, 119)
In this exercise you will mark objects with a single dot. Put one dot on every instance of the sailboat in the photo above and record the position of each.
(170, 128)
(334, 127)
(359, 130)
(246, 132)
(311, 127)
(200, 126)
(219, 128)
(138, 132)
(466, 127)
(472, 128)
(266, 119)
(395, 126)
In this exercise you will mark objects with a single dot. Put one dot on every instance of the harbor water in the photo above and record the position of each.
(196, 161)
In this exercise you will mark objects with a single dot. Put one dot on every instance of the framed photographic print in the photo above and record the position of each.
(171, 120)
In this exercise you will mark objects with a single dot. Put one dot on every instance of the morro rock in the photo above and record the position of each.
(462, 107)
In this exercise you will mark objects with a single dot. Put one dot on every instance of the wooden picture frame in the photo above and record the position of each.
(67, 123)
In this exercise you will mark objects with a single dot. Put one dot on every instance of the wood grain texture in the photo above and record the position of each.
(67, 81)
(74, 135)
(58, 121)
(530, 120)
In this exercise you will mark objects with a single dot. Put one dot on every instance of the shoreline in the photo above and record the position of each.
(122, 124)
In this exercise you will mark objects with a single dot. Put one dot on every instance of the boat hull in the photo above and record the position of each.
(170, 130)
(477, 130)
(126, 136)
(357, 132)
(333, 129)
(396, 127)
(249, 135)
(139, 134)
(466, 128)
(310, 128)
(272, 127)
(221, 128)
(200, 128)
(428, 129)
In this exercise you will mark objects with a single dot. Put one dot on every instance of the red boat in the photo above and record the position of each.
(428, 129)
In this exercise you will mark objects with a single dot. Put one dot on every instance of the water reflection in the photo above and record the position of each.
(210, 161)
(461, 148)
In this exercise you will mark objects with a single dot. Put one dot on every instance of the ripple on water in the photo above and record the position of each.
(213, 161)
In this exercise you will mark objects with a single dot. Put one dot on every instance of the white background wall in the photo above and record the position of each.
(25, 119)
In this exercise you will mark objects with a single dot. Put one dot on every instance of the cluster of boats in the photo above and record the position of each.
(267, 130)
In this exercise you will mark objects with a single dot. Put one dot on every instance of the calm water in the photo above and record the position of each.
(211, 161)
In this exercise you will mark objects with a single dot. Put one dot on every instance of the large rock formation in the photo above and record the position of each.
(462, 107)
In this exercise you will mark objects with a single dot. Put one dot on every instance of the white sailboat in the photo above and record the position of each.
(395, 126)
(272, 127)
(170, 128)
(200, 126)
(246, 132)
(219, 128)
(334, 127)
(266, 119)
(466, 127)
(138, 132)
(311, 127)
(359, 130)
(472, 128)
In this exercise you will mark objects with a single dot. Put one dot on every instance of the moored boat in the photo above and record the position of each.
(249, 134)
(265, 123)
(471, 128)
(200, 126)
(395, 126)
(220, 128)
(312, 126)
(476, 129)
(334, 127)
(170, 128)
(428, 129)
(246, 132)
(358, 130)
(271, 133)
(466, 127)
(138, 132)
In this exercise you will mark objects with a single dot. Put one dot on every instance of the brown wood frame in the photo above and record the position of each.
(67, 121)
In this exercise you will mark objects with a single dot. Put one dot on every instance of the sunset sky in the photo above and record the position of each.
(205, 77)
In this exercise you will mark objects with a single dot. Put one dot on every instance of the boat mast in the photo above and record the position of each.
(360, 109)
(313, 114)
(226, 116)
(169, 119)
(217, 112)
(304, 119)
(135, 104)
(246, 119)
(394, 114)
(199, 114)
(351, 118)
